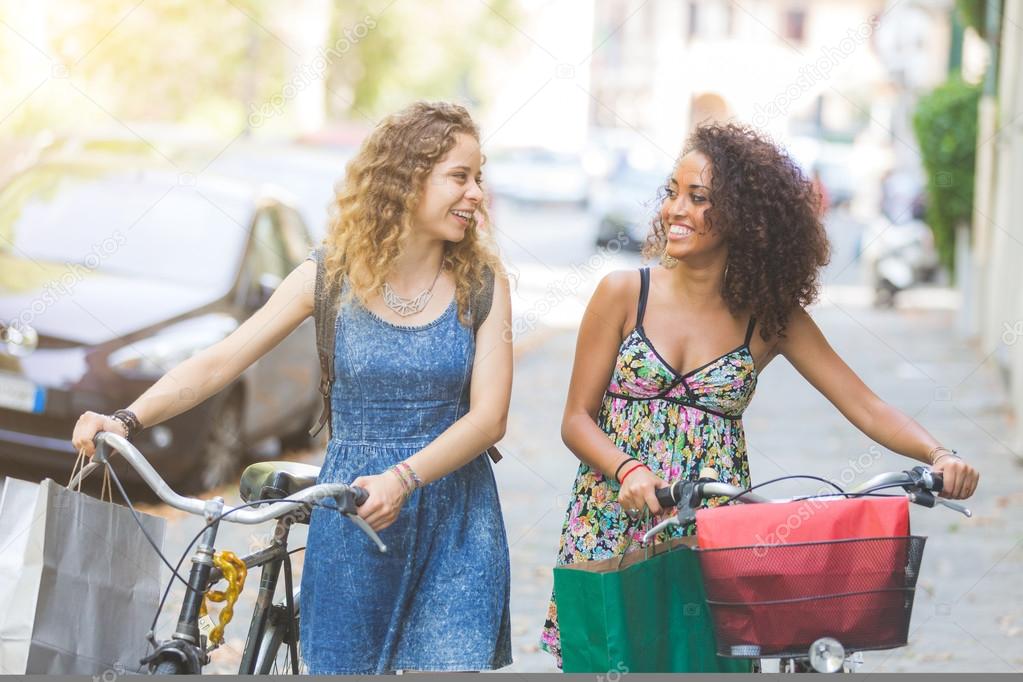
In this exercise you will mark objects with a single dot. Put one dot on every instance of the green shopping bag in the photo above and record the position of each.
(642, 612)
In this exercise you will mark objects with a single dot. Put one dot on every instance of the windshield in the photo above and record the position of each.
(126, 223)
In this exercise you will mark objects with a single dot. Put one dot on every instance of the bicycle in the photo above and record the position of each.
(289, 491)
(727, 597)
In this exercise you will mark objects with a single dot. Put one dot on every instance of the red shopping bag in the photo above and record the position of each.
(779, 576)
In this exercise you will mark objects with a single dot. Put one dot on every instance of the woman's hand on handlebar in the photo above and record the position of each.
(638, 491)
(386, 498)
(86, 428)
(960, 479)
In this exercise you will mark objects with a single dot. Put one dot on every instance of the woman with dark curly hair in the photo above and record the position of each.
(654, 399)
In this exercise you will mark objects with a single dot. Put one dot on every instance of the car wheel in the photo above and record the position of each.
(224, 444)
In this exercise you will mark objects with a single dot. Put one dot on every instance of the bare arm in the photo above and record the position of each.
(207, 372)
(810, 353)
(489, 395)
(596, 351)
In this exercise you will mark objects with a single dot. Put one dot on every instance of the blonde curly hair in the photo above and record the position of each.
(373, 207)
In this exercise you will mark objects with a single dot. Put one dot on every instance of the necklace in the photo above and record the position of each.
(409, 306)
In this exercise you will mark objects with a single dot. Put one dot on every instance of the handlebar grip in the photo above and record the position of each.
(938, 481)
(664, 497)
(361, 495)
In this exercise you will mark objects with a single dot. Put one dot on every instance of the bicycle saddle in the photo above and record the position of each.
(275, 480)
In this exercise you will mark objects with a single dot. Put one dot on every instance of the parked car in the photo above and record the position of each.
(111, 273)
(625, 205)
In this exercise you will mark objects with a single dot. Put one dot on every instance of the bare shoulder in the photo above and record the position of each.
(799, 329)
(618, 286)
(615, 297)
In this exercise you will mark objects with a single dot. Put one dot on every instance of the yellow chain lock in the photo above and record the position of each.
(234, 571)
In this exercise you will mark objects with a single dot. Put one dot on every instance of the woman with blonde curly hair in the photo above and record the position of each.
(422, 382)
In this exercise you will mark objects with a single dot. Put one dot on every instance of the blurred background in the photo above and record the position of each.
(164, 164)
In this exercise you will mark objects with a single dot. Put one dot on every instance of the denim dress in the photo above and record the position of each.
(439, 598)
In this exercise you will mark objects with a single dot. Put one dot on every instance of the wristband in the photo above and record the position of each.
(413, 476)
(130, 421)
(639, 465)
(406, 485)
(624, 462)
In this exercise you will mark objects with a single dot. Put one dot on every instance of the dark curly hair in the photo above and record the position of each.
(769, 214)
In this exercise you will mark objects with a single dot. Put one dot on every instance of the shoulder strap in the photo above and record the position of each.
(326, 301)
(482, 300)
(644, 289)
(749, 330)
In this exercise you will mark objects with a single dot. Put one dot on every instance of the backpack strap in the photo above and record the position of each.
(326, 301)
(479, 309)
(482, 300)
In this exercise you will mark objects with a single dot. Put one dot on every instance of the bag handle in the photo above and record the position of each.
(649, 548)
(83, 469)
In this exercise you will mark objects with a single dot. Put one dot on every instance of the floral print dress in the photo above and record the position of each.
(676, 424)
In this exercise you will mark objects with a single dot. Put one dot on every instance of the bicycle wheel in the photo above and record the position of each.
(168, 668)
(274, 653)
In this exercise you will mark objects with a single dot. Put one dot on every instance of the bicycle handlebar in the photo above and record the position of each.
(920, 483)
(107, 442)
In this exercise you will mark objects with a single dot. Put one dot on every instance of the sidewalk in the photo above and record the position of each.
(968, 614)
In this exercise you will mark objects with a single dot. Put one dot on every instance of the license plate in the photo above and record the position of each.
(18, 394)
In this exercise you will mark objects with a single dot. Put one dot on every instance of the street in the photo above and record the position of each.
(167, 170)
(967, 614)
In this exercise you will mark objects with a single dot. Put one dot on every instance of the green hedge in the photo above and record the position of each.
(945, 123)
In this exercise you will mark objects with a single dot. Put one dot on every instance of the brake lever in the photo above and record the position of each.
(368, 530)
(955, 506)
(926, 498)
(666, 523)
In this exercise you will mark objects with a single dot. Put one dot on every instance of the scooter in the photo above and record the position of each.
(897, 257)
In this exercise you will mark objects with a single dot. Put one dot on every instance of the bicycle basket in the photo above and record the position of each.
(775, 600)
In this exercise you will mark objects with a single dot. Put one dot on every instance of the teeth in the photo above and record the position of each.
(679, 230)
(463, 214)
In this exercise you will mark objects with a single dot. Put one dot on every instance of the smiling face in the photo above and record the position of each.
(686, 200)
(451, 193)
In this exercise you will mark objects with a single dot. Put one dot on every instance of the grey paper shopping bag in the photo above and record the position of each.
(97, 585)
(21, 562)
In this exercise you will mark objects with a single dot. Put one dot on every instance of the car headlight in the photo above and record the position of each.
(155, 355)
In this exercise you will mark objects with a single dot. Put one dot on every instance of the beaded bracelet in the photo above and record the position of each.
(406, 485)
(131, 423)
(416, 481)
